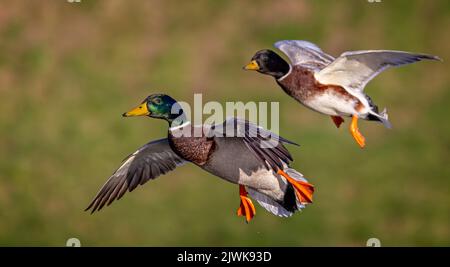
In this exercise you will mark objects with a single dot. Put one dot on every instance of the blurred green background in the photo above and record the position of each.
(69, 70)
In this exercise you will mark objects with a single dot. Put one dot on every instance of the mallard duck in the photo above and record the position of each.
(238, 151)
(328, 85)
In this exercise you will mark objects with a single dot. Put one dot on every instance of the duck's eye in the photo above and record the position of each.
(157, 101)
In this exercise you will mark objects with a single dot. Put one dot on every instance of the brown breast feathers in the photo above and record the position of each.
(194, 149)
(301, 85)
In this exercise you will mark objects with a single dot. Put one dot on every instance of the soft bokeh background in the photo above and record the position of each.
(68, 71)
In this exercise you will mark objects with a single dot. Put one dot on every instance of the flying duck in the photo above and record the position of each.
(236, 150)
(328, 85)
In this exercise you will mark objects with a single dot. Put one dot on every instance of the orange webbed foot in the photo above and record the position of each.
(303, 190)
(337, 120)
(246, 207)
(359, 138)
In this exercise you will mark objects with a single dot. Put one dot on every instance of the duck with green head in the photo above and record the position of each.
(236, 150)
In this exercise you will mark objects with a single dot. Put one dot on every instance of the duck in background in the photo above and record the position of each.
(237, 151)
(328, 85)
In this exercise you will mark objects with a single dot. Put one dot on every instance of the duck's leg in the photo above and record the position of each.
(359, 138)
(246, 208)
(303, 190)
(337, 120)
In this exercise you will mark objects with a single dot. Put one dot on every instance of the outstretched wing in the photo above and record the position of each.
(266, 146)
(305, 54)
(353, 70)
(148, 162)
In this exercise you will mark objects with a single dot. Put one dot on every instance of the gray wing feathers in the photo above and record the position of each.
(265, 145)
(148, 162)
(304, 53)
(353, 70)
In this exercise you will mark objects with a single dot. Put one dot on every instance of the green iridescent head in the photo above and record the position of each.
(160, 106)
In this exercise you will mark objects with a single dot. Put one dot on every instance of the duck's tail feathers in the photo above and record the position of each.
(383, 117)
(268, 203)
(294, 174)
(291, 202)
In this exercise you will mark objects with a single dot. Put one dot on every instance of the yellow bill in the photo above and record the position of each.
(140, 110)
(253, 65)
